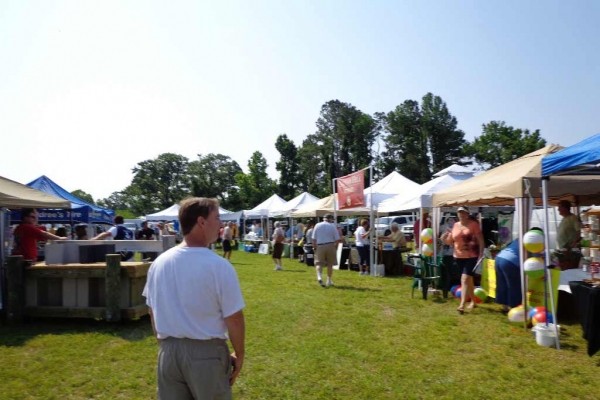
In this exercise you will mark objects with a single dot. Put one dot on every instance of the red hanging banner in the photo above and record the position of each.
(350, 190)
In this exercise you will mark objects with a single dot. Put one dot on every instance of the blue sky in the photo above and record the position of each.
(89, 89)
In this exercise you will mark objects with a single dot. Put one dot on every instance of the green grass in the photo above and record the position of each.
(365, 338)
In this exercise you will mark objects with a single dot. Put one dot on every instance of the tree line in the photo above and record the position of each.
(415, 139)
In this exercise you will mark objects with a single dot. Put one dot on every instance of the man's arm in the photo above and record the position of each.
(236, 327)
(51, 236)
(102, 236)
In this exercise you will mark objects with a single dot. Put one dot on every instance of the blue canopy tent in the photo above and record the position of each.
(582, 158)
(80, 211)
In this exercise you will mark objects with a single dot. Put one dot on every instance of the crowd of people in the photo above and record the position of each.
(194, 295)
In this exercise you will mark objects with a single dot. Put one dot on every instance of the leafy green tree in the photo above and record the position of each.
(346, 135)
(255, 186)
(116, 201)
(288, 167)
(446, 141)
(83, 196)
(405, 144)
(499, 144)
(213, 175)
(159, 183)
(421, 139)
(312, 177)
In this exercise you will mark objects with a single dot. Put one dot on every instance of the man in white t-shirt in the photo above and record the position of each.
(196, 305)
(325, 237)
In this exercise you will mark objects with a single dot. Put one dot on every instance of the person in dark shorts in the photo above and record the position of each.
(278, 238)
(227, 238)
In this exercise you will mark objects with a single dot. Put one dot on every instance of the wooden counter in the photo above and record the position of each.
(111, 290)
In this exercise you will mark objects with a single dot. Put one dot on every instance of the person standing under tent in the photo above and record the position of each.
(325, 236)
(27, 234)
(467, 241)
(227, 238)
(363, 245)
(146, 233)
(118, 232)
(278, 238)
(196, 304)
(568, 234)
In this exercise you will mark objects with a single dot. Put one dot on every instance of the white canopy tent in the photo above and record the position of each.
(172, 214)
(423, 197)
(295, 203)
(388, 187)
(262, 210)
(324, 206)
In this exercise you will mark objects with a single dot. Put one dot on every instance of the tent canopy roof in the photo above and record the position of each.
(423, 197)
(47, 185)
(16, 195)
(500, 185)
(582, 158)
(295, 203)
(324, 206)
(517, 179)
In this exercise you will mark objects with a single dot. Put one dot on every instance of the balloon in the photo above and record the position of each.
(480, 294)
(533, 264)
(517, 314)
(454, 288)
(533, 241)
(540, 318)
(535, 310)
(457, 293)
(427, 235)
(427, 250)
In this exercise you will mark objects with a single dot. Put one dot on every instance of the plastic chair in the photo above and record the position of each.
(427, 273)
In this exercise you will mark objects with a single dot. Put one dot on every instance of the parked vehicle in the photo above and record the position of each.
(405, 223)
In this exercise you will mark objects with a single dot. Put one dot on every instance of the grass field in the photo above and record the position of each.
(365, 338)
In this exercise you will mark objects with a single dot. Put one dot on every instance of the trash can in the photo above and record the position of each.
(309, 255)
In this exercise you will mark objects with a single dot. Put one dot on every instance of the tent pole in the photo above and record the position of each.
(548, 274)
(372, 259)
(520, 219)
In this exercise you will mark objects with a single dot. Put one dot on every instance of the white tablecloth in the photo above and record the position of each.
(571, 275)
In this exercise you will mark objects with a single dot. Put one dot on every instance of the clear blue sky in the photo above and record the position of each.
(90, 88)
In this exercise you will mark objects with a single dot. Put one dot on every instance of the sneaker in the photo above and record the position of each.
(321, 282)
(329, 282)
(278, 268)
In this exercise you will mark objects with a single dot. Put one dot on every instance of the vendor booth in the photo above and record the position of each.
(14, 195)
(519, 182)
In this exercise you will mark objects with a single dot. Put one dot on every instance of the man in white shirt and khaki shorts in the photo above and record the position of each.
(325, 238)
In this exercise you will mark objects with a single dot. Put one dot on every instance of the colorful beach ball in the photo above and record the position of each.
(533, 264)
(533, 241)
(480, 294)
(427, 250)
(517, 314)
(454, 288)
(427, 235)
(535, 310)
(541, 318)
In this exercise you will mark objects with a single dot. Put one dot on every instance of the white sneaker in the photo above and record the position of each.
(278, 268)
(329, 282)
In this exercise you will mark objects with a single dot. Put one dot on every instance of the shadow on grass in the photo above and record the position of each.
(18, 335)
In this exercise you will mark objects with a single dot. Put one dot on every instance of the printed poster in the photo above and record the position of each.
(350, 190)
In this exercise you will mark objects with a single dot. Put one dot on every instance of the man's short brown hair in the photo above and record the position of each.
(192, 208)
(565, 204)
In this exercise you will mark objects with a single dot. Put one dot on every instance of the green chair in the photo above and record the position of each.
(427, 273)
